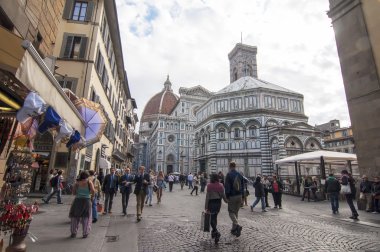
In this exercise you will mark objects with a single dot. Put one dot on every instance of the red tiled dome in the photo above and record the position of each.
(161, 103)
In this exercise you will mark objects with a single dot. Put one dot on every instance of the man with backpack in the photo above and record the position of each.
(234, 191)
(55, 183)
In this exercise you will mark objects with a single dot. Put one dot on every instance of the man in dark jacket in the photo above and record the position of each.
(259, 194)
(234, 191)
(142, 180)
(109, 187)
(366, 191)
(125, 189)
(376, 195)
(332, 187)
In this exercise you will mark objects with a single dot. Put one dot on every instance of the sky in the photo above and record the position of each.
(190, 41)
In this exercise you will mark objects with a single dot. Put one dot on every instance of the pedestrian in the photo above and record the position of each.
(376, 195)
(259, 194)
(142, 180)
(190, 180)
(215, 194)
(161, 186)
(221, 177)
(150, 188)
(125, 188)
(182, 180)
(96, 196)
(267, 186)
(246, 192)
(349, 180)
(307, 184)
(234, 191)
(332, 188)
(171, 182)
(56, 184)
(277, 192)
(314, 187)
(80, 210)
(101, 177)
(196, 183)
(49, 188)
(203, 182)
(366, 192)
(110, 185)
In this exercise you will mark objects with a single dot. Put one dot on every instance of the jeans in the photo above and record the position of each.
(190, 184)
(277, 198)
(124, 201)
(195, 189)
(94, 208)
(108, 201)
(150, 195)
(349, 199)
(334, 199)
(57, 191)
(257, 201)
(214, 208)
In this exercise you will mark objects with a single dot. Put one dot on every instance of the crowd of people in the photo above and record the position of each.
(232, 188)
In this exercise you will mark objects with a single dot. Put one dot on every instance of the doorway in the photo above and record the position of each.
(169, 169)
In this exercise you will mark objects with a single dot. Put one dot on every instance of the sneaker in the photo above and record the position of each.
(73, 235)
(45, 201)
(94, 220)
(354, 217)
(85, 236)
(275, 207)
(233, 231)
(251, 208)
(150, 204)
(264, 211)
(238, 230)
(334, 212)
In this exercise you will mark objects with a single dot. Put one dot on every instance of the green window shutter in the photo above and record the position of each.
(68, 9)
(83, 45)
(90, 8)
(67, 46)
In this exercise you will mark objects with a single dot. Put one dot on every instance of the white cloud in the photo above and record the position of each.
(190, 40)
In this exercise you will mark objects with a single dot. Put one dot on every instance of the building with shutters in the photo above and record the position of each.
(89, 62)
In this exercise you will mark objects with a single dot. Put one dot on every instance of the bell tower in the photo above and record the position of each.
(242, 62)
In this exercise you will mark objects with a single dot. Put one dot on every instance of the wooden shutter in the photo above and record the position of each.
(68, 9)
(66, 46)
(82, 50)
(90, 8)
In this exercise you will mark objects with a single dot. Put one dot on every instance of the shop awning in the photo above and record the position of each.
(104, 163)
(36, 76)
(328, 156)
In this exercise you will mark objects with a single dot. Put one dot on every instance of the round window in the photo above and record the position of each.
(171, 138)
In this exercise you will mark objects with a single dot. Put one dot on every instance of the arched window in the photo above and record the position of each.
(236, 132)
(253, 131)
(222, 133)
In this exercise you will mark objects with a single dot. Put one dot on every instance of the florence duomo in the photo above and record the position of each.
(250, 121)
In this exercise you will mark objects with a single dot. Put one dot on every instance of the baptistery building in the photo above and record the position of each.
(250, 121)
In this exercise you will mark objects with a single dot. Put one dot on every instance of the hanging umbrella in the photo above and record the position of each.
(95, 121)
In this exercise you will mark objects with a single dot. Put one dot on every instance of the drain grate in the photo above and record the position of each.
(112, 238)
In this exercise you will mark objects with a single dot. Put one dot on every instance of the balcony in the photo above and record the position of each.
(119, 156)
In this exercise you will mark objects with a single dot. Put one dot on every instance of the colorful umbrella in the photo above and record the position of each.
(95, 121)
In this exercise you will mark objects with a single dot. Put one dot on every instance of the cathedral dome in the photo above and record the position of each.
(161, 103)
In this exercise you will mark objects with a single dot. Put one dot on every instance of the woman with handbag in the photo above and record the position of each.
(214, 196)
(349, 190)
(80, 210)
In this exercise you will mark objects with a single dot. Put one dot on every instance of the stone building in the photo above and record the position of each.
(356, 24)
(252, 122)
(167, 125)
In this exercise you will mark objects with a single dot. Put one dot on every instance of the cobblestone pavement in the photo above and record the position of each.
(174, 226)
